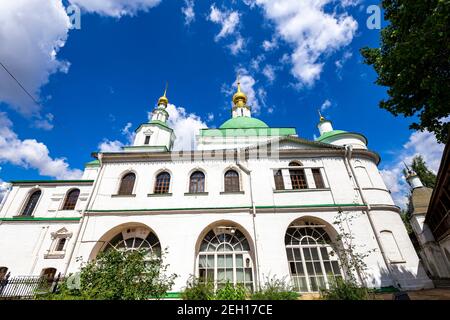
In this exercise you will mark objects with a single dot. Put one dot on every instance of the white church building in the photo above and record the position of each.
(250, 202)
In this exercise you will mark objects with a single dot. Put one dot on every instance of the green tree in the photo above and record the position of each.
(427, 176)
(118, 275)
(413, 62)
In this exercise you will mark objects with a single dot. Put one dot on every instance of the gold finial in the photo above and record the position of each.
(239, 98)
(320, 116)
(163, 100)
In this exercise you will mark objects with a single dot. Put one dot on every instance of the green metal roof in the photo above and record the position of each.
(333, 133)
(243, 123)
(50, 181)
(330, 134)
(247, 132)
(93, 163)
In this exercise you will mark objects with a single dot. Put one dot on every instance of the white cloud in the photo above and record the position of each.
(30, 153)
(188, 11)
(325, 105)
(110, 146)
(340, 63)
(419, 143)
(237, 46)
(127, 133)
(255, 62)
(31, 34)
(269, 45)
(185, 126)
(311, 31)
(116, 8)
(228, 20)
(269, 72)
(115, 145)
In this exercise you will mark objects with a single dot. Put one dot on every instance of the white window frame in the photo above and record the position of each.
(56, 238)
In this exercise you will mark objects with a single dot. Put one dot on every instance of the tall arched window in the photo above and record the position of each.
(225, 256)
(197, 182)
(3, 273)
(33, 199)
(48, 274)
(71, 199)
(136, 238)
(279, 183)
(362, 175)
(162, 183)
(127, 184)
(232, 181)
(298, 177)
(390, 246)
(312, 260)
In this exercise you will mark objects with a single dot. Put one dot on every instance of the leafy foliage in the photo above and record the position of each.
(118, 275)
(198, 290)
(413, 62)
(341, 289)
(427, 177)
(231, 292)
(352, 260)
(275, 289)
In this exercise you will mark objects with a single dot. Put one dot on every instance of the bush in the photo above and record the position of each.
(231, 292)
(198, 290)
(275, 289)
(117, 275)
(345, 290)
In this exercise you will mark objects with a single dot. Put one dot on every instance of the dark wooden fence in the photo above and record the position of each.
(27, 287)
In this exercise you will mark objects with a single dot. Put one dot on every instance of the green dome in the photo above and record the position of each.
(330, 134)
(243, 123)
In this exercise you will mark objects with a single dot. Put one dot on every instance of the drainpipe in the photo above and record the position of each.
(83, 215)
(39, 247)
(249, 173)
(347, 158)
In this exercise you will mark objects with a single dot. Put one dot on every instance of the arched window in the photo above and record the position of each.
(363, 177)
(33, 199)
(225, 256)
(390, 246)
(162, 183)
(60, 245)
(71, 200)
(318, 179)
(295, 164)
(3, 273)
(298, 178)
(197, 182)
(232, 181)
(279, 183)
(312, 260)
(136, 238)
(48, 274)
(127, 184)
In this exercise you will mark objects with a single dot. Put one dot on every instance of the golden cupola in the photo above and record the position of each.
(163, 100)
(239, 98)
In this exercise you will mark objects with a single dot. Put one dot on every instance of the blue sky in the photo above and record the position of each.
(103, 79)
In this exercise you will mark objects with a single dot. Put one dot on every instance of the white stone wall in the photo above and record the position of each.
(180, 230)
